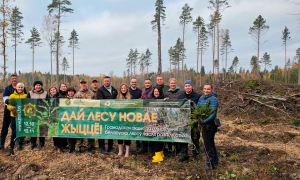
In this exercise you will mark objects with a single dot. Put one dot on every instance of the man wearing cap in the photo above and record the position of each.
(95, 86)
(106, 92)
(84, 93)
(195, 131)
(6, 118)
(160, 83)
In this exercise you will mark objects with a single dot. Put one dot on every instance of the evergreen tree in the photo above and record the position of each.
(73, 43)
(266, 61)
(234, 65)
(226, 46)
(16, 30)
(202, 71)
(148, 62)
(65, 66)
(135, 59)
(60, 6)
(253, 64)
(285, 37)
(198, 24)
(159, 17)
(130, 61)
(171, 52)
(257, 31)
(217, 6)
(34, 41)
(177, 53)
(185, 19)
(142, 63)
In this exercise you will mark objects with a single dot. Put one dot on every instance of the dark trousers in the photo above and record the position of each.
(127, 142)
(195, 136)
(101, 143)
(72, 142)
(208, 135)
(148, 144)
(60, 142)
(158, 146)
(5, 125)
(14, 134)
(33, 141)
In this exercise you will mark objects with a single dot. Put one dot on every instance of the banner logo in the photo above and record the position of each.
(107, 103)
(29, 110)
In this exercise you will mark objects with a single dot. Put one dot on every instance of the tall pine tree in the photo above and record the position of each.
(34, 41)
(73, 43)
(285, 38)
(65, 66)
(266, 61)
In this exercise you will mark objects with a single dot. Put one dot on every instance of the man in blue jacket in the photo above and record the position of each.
(6, 118)
(195, 131)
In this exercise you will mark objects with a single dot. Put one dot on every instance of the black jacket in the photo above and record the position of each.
(103, 93)
(135, 94)
(193, 96)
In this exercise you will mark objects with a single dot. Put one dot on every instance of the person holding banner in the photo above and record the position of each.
(123, 93)
(37, 93)
(136, 93)
(84, 93)
(72, 141)
(158, 146)
(195, 131)
(209, 127)
(18, 94)
(9, 90)
(147, 94)
(106, 92)
(173, 93)
(59, 143)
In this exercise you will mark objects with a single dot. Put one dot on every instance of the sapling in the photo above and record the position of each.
(13, 102)
(200, 113)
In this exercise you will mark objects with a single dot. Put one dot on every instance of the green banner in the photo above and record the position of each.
(149, 120)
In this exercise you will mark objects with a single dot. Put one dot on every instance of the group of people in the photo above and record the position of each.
(107, 91)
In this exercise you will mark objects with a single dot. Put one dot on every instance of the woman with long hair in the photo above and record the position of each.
(123, 93)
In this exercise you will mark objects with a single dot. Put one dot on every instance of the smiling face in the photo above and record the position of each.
(123, 89)
(63, 88)
(133, 83)
(188, 88)
(173, 84)
(148, 83)
(156, 93)
(38, 87)
(53, 91)
(83, 85)
(14, 80)
(107, 82)
(20, 89)
(207, 90)
(71, 93)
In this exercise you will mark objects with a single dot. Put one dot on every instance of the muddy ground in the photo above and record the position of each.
(250, 146)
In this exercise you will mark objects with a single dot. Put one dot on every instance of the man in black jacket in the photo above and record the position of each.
(6, 118)
(106, 92)
(195, 131)
(160, 82)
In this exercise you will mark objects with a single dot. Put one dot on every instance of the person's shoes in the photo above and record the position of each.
(42, 146)
(33, 146)
(59, 150)
(71, 150)
(2, 143)
(10, 152)
(141, 151)
(78, 152)
(91, 150)
(207, 168)
(20, 148)
(183, 158)
(196, 159)
(162, 154)
(151, 153)
(110, 149)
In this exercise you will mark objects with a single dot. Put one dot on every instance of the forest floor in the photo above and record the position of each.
(255, 141)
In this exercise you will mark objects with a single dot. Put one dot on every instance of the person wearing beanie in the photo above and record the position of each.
(37, 93)
(195, 131)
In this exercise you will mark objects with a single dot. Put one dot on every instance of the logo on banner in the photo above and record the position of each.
(68, 102)
(29, 110)
(107, 103)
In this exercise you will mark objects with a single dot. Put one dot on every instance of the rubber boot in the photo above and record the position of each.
(162, 154)
(158, 157)
(10, 152)
(120, 149)
(127, 151)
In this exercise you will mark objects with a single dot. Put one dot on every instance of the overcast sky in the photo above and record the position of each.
(107, 30)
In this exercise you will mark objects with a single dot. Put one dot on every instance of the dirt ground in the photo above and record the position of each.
(249, 147)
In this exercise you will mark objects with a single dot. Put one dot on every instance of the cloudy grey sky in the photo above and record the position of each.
(109, 28)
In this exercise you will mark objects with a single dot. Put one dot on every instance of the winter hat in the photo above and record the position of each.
(37, 82)
(188, 82)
